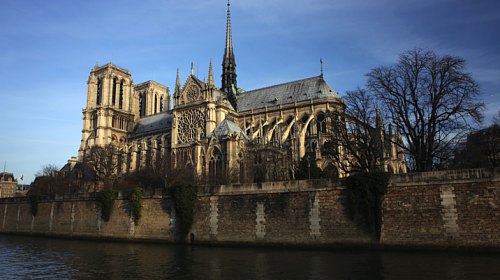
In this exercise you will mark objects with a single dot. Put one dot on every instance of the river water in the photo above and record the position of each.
(44, 258)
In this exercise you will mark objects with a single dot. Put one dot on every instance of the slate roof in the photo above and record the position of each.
(6, 176)
(301, 90)
(153, 123)
(226, 128)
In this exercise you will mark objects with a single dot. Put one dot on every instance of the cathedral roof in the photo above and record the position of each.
(153, 123)
(228, 128)
(150, 82)
(296, 91)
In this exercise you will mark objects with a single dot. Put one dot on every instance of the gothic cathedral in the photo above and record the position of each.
(221, 135)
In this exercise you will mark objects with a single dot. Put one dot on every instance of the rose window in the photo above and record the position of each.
(192, 93)
(190, 122)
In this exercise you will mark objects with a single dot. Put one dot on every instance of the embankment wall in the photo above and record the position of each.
(437, 209)
(459, 208)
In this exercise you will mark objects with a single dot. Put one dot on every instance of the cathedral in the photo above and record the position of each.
(220, 134)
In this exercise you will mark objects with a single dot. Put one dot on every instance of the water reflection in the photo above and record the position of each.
(41, 258)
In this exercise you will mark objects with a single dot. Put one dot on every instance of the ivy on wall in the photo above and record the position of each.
(34, 200)
(106, 201)
(185, 197)
(135, 203)
(365, 194)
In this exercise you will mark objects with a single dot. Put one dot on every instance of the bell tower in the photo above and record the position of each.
(108, 115)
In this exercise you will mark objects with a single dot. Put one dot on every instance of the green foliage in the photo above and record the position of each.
(135, 203)
(185, 200)
(365, 193)
(307, 169)
(105, 199)
(34, 200)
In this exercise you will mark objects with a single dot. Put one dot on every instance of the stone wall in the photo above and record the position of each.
(457, 208)
(444, 209)
(311, 217)
(297, 212)
(81, 218)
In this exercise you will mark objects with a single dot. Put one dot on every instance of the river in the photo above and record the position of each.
(45, 258)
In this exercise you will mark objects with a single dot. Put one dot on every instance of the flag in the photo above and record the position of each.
(22, 177)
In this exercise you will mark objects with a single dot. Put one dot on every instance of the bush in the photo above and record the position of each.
(135, 203)
(365, 193)
(307, 169)
(34, 200)
(106, 201)
(185, 200)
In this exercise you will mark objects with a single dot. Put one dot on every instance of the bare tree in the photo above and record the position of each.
(356, 143)
(482, 149)
(431, 100)
(103, 160)
(49, 170)
(496, 119)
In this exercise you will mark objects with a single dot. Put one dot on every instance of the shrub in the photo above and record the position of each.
(106, 201)
(34, 200)
(185, 200)
(135, 203)
(365, 193)
(307, 169)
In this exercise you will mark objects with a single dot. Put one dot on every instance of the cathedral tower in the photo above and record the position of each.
(229, 85)
(107, 116)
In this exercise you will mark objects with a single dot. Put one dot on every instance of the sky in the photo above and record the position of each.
(47, 49)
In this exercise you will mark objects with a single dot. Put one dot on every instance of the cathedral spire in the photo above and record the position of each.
(229, 35)
(229, 85)
(177, 84)
(210, 75)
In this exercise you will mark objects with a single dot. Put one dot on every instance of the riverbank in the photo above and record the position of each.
(454, 211)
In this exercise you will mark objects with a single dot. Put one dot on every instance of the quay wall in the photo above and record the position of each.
(435, 209)
(458, 208)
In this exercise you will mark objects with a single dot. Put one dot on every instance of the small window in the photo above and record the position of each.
(113, 98)
(120, 101)
(156, 104)
(99, 91)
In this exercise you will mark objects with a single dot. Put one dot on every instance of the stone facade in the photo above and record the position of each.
(8, 185)
(223, 135)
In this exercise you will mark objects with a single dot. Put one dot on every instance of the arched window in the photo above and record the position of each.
(113, 97)
(215, 166)
(148, 159)
(120, 102)
(145, 103)
(161, 104)
(138, 158)
(156, 104)
(330, 171)
(99, 91)
(321, 123)
(142, 104)
(94, 121)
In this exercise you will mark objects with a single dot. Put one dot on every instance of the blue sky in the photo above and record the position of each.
(47, 49)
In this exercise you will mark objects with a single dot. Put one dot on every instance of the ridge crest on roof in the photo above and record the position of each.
(282, 84)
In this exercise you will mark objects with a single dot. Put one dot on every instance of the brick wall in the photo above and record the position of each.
(459, 208)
